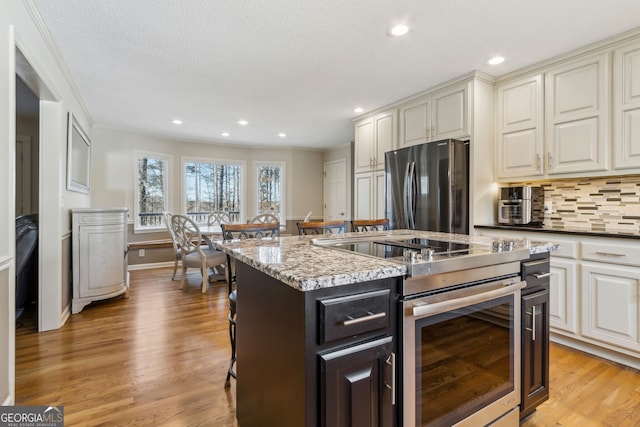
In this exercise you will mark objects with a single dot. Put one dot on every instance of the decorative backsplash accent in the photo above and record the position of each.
(597, 204)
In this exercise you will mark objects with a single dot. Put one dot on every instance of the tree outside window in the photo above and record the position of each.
(270, 188)
(212, 187)
(151, 185)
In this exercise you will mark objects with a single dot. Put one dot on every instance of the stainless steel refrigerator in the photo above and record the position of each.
(427, 187)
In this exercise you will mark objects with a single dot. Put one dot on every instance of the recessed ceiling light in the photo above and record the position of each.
(225, 134)
(243, 122)
(496, 60)
(176, 121)
(282, 135)
(398, 30)
(358, 110)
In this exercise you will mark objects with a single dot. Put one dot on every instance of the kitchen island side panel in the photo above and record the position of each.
(271, 380)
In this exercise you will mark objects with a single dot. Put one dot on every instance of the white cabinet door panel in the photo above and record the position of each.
(385, 137)
(363, 150)
(363, 203)
(449, 115)
(577, 115)
(610, 304)
(577, 148)
(627, 107)
(520, 104)
(414, 120)
(518, 154)
(380, 200)
(576, 92)
(563, 295)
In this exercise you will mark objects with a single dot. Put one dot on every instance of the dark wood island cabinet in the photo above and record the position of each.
(535, 334)
(323, 357)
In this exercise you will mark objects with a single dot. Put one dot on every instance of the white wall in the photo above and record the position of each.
(21, 27)
(112, 169)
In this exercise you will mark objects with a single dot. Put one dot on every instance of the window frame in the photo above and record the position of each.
(243, 187)
(283, 187)
(167, 160)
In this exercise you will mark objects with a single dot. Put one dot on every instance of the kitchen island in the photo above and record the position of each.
(299, 362)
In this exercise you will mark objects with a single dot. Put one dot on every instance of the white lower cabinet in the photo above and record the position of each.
(610, 295)
(99, 249)
(563, 295)
(594, 293)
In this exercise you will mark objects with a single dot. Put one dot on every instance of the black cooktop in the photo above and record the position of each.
(397, 248)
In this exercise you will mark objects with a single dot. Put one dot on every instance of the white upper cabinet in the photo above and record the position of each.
(374, 136)
(439, 115)
(626, 110)
(577, 115)
(520, 116)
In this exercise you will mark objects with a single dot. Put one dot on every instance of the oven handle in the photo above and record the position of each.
(474, 297)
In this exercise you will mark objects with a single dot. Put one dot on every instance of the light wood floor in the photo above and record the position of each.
(160, 358)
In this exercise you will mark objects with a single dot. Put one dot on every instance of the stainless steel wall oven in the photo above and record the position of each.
(461, 354)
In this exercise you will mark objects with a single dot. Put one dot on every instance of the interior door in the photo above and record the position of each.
(335, 190)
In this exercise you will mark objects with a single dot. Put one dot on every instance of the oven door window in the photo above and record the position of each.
(464, 359)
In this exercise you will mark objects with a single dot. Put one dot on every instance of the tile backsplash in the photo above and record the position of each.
(598, 204)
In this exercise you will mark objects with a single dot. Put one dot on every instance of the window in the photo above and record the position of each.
(213, 186)
(151, 184)
(270, 188)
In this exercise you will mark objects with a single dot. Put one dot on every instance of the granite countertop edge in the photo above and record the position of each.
(625, 234)
(303, 266)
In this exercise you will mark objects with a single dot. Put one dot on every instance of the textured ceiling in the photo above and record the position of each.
(297, 66)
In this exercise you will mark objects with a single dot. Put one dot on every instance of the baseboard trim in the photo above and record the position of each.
(150, 265)
(604, 353)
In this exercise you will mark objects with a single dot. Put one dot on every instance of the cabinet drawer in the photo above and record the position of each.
(609, 253)
(567, 249)
(536, 273)
(101, 218)
(353, 314)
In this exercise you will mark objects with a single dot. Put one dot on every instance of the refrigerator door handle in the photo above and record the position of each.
(405, 196)
(410, 213)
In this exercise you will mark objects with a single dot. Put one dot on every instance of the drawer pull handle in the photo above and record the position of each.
(609, 254)
(541, 275)
(369, 316)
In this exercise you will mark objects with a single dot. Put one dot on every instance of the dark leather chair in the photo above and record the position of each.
(26, 261)
(241, 232)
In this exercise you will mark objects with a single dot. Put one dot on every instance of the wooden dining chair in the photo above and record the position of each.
(193, 253)
(177, 254)
(360, 225)
(219, 218)
(321, 227)
(264, 218)
(232, 232)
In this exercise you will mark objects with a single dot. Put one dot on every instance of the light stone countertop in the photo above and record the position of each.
(298, 263)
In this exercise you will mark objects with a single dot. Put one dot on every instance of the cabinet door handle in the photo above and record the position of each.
(610, 254)
(541, 275)
(391, 361)
(539, 160)
(533, 323)
(370, 316)
(550, 160)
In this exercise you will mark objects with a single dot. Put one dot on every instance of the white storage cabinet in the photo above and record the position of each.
(99, 246)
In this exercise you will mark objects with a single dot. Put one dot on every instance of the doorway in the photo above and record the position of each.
(26, 202)
(335, 190)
